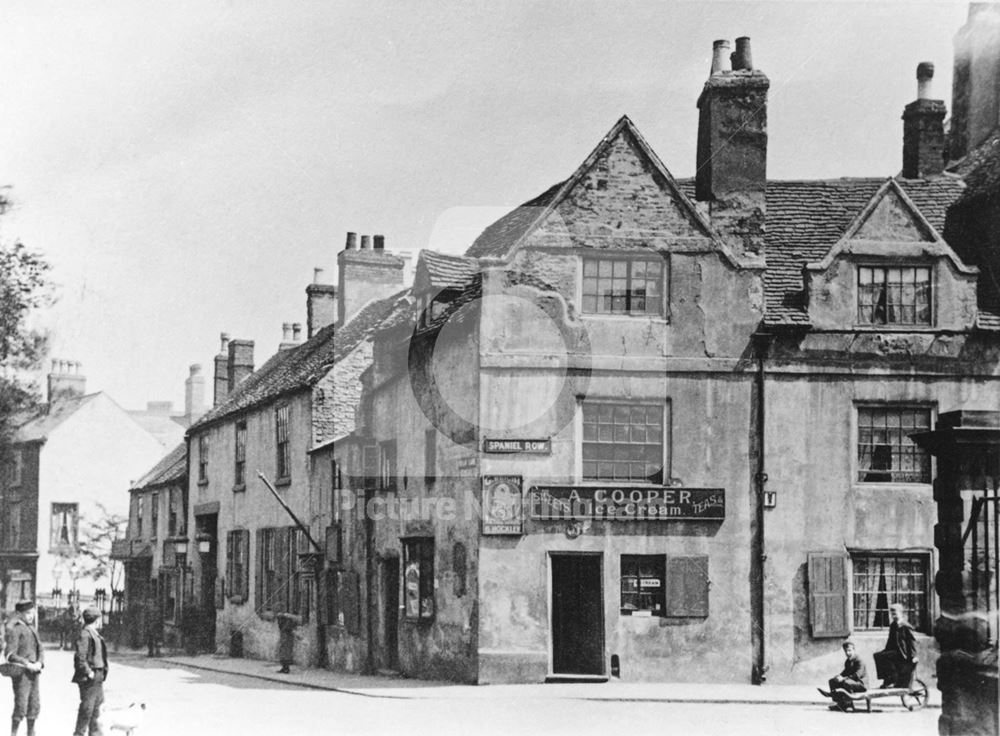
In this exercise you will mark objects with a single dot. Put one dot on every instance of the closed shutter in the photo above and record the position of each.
(259, 573)
(244, 565)
(687, 587)
(229, 561)
(828, 594)
(283, 571)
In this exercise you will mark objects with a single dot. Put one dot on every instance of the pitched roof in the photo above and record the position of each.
(166, 429)
(40, 425)
(981, 169)
(445, 271)
(171, 469)
(302, 366)
(499, 237)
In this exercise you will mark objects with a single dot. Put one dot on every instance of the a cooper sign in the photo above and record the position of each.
(626, 504)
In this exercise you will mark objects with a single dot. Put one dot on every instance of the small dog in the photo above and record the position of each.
(126, 720)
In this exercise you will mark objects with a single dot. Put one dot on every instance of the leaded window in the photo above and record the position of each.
(623, 442)
(623, 286)
(899, 295)
(886, 454)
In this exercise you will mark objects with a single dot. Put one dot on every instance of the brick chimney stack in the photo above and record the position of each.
(65, 381)
(975, 94)
(321, 304)
(240, 362)
(365, 274)
(221, 386)
(923, 129)
(731, 171)
(194, 394)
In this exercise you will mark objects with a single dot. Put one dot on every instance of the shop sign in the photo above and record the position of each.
(502, 504)
(522, 447)
(646, 503)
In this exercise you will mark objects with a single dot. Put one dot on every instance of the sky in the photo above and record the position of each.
(184, 166)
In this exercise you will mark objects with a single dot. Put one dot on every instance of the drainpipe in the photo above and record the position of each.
(758, 555)
(370, 601)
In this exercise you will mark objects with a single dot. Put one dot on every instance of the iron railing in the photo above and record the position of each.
(983, 556)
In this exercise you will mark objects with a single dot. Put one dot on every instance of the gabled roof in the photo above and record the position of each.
(443, 271)
(166, 429)
(171, 469)
(37, 427)
(504, 236)
(302, 366)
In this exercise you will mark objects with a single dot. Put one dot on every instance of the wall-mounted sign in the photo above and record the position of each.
(503, 511)
(523, 447)
(626, 504)
(770, 499)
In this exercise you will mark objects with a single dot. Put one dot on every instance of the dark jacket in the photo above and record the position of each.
(22, 643)
(901, 640)
(854, 670)
(91, 654)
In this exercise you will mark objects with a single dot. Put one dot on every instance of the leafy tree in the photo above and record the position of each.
(92, 557)
(23, 289)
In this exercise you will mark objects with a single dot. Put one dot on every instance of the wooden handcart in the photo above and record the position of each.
(912, 698)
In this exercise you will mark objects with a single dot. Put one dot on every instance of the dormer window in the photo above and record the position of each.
(431, 307)
(896, 295)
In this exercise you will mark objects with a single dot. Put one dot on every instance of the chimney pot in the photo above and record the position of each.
(720, 56)
(352, 241)
(317, 275)
(741, 58)
(925, 75)
(296, 331)
(224, 339)
(366, 242)
(286, 331)
(378, 242)
(195, 369)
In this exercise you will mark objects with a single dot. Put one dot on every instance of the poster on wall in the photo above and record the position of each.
(502, 504)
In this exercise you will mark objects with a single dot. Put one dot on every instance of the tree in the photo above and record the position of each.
(92, 559)
(23, 289)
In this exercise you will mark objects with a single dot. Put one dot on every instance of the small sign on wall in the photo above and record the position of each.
(770, 499)
(522, 447)
(502, 504)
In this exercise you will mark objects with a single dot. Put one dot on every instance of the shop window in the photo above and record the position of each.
(894, 296)
(203, 458)
(632, 286)
(886, 454)
(64, 527)
(643, 584)
(418, 579)
(238, 564)
(882, 579)
(623, 442)
(283, 460)
(240, 461)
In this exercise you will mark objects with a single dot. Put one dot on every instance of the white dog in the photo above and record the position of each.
(126, 720)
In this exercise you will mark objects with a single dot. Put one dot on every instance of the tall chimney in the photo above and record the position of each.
(65, 381)
(286, 336)
(923, 130)
(720, 57)
(221, 371)
(240, 361)
(365, 275)
(296, 332)
(975, 94)
(194, 394)
(321, 303)
(378, 242)
(731, 171)
(352, 241)
(366, 242)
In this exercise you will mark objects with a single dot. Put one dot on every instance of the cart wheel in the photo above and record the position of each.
(917, 697)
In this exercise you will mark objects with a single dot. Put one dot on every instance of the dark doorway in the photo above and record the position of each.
(390, 615)
(207, 528)
(577, 615)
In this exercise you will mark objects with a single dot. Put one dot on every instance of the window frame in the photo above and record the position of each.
(923, 620)
(238, 565)
(657, 560)
(648, 255)
(885, 268)
(419, 551)
(665, 438)
(859, 472)
(388, 466)
(154, 514)
(139, 520)
(16, 475)
(282, 442)
(240, 455)
(59, 508)
(203, 458)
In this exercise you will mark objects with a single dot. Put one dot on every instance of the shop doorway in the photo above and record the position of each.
(577, 615)
(390, 613)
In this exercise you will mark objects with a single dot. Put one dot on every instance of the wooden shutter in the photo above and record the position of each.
(259, 573)
(687, 587)
(245, 571)
(828, 594)
(229, 561)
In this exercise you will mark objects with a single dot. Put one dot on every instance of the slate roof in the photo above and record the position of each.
(981, 169)
(447, 271)
(497, 239)
(302, 366)
(171, 469)
(39, 426)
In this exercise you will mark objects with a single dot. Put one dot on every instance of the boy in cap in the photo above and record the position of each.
(851, 678)
(896, 663)
(90, 664)
(23, 647)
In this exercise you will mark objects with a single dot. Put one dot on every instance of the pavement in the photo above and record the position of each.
(377, 686)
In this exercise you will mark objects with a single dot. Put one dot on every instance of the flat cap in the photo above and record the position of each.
(24, 605)
(91, 614)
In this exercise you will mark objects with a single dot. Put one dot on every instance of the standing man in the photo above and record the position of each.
(24, 648)
(895, 664)
(90, 665)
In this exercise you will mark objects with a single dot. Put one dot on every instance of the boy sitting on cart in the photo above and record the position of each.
(850, 680)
